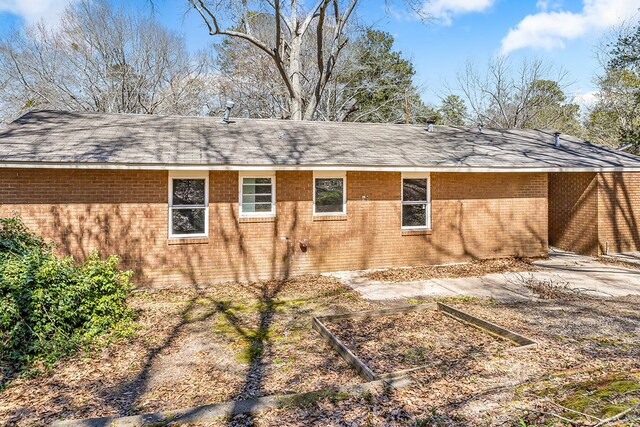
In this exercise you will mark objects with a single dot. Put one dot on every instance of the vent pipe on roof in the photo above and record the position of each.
(480, 126)
(430, 124)
(556, 139)
(227, 112)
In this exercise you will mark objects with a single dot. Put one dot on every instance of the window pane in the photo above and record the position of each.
(188, 221)
(329, 194)
(259, 207)
(250, 198)
(257, 195)
(414, 215)
(188, 192)
(253, 181)
(414, 190)
(256, 189)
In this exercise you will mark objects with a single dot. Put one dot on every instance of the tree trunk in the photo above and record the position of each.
(294, 73)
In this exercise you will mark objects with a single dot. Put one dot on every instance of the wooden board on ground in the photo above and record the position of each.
(354, 357)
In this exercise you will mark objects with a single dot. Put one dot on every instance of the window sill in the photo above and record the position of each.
(336, 217)
(188, 241)
(250, 219)
(417, 232)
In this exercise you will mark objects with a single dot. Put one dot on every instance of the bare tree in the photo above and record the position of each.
(531, 95)
(370, 81)
(102, 59)
(614, 119)
(286, 43)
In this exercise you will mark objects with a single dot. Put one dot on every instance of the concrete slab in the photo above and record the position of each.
(564, 268)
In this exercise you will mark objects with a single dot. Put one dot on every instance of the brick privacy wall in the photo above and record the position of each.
(619, 212)
(125, 212)
(573, 212)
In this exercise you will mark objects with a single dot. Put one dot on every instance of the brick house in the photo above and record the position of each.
(187, 200)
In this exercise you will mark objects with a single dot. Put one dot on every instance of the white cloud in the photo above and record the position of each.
(549, 30)
(585, 99)
(545, 5)
(445, 10)
(32, 11)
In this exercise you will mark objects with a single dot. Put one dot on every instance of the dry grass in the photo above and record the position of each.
(196, 347)
(588, 359)
(549, 289)
(193, 348)
(472, 269)
(426, 338)
(617, 262)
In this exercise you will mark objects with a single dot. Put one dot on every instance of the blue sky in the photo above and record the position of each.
(562, 32)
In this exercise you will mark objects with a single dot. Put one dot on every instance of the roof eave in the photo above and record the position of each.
(310, 167)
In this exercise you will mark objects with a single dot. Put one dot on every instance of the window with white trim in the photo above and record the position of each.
(188, 204)
(257, 195)
(329, 193)
(416, 202)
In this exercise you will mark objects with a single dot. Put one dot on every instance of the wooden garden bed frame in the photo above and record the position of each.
(368, 374)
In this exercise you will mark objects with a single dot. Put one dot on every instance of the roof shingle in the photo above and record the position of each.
(122, 139)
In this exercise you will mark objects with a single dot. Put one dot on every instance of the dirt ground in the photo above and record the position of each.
(426, 338)
(193, 348)
(585, 369)
(236, 341)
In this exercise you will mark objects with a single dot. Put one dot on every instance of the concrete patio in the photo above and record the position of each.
(576, 271)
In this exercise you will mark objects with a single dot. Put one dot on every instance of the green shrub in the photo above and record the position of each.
(50, 305)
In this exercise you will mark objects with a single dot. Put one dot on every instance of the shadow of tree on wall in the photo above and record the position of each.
(115, 230)
(621, 212)
(592, 212)
(77, 233)
(457, 235)
(573, 211)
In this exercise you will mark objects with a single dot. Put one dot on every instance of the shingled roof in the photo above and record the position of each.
(67, 139)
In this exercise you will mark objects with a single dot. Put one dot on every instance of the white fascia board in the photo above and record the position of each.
(199, 167)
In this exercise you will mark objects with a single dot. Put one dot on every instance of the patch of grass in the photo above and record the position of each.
(604, 341)
(416, 354)
(601, 397)
(307, 399)
(435, 418)
(461, 298)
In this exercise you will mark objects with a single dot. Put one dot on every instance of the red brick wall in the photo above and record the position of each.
(591, 213)
(619, 212)
(573, 212)
(125, 212)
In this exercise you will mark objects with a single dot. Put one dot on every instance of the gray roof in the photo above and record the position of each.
(63, 139)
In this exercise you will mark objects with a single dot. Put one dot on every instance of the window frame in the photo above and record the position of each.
(416, 175)
(266, 174)
(331, 175)
(189, 175)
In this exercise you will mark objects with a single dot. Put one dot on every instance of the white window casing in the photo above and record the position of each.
(320, 175)
(424, 202)
(249, 200)
(195, 212)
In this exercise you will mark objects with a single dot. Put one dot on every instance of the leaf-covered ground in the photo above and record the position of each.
(474, 268)
(427, 338)
(232, 341)
(235, 341)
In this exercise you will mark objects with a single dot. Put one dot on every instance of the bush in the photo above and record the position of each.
(50, 305)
